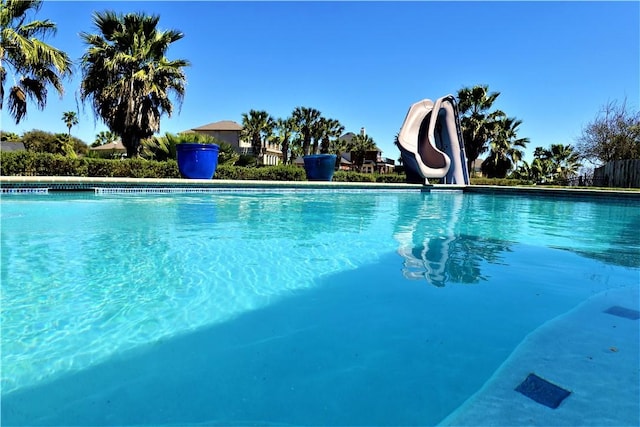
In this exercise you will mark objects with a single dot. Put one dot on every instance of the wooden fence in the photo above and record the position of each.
(618, 173)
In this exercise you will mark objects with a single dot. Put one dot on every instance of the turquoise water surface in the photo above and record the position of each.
(294, 308)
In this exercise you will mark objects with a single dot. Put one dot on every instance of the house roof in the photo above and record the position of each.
(11, 146)
(349, 136)
(117, 146)
(221, 125)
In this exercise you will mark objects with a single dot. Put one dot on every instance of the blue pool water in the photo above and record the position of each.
(291, 308)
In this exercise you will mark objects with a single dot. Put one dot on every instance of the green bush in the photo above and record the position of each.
(245, 160)
(497, 181)
(17, 163)
(394, 178)
(343, 176)
(25, 163)
(59, 165)
(266, 173)
(281, 173)
(227, 172)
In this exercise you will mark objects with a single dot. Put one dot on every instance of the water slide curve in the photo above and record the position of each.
(431, 144)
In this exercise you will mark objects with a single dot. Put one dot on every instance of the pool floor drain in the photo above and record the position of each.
(542, 391)
(627, 313)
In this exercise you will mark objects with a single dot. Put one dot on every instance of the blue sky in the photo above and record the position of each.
(363, 63)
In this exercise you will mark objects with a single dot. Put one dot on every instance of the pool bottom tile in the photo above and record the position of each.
(542, 391)
(627, 313)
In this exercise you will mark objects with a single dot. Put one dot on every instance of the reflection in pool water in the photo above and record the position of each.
(288, 308)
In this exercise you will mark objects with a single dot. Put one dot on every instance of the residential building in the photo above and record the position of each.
(9, 146)
(229, 131)
(373, 159)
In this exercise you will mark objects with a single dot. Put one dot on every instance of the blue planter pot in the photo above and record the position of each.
(197, 161)
(320, 167)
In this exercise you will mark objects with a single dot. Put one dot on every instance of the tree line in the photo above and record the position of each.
(306, 131)
(613, 135)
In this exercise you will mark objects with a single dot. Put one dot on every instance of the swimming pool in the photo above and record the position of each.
(298, 308)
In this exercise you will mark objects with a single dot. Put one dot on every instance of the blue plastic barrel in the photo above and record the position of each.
(197, 161)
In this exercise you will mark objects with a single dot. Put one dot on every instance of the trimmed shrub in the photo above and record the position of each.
(281, 173)
(392, 178)
(343, 176)
(498, 181)
(25, 163)
(17, 163)
(266, 173)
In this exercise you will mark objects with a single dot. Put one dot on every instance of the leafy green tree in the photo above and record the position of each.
(506, 149)
(104, 137)
(307, 120)
(70, 119)
(31, 64)
(558, 163)
(565, 161)
(295, 148)
(40, 141)
(285, 133)
(613, 135)
(9, 137)
(477, 121)
(65, 145)
(330, 132)
(358, 146)
(339, 146)
(257, 127)
(126, 76)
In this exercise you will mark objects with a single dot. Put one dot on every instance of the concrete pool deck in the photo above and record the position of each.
(62, 183)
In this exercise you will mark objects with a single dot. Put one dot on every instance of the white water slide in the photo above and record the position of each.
(431, 143)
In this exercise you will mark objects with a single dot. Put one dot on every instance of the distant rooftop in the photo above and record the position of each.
(11, 146)
(221, 125)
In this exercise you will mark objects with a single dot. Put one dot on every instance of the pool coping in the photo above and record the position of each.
(72, 183)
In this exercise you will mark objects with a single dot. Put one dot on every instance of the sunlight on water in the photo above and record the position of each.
(86, 278)
(111, 273)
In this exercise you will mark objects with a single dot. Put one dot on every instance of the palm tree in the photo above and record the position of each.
(9, 136)
(330, 132)
(306, 120)
(70, 119)
(127, 77)
(358, 146)
(565, 161)
(104, 137)
(33, 64)
(505, 148)
(257, 127)
(477, 122)
(285, 133)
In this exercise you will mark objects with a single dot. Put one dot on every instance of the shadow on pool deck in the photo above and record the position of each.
(363, 347)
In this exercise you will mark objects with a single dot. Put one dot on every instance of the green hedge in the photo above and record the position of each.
(26, 163)
(343, 176)
(266, 173)
(498, 181)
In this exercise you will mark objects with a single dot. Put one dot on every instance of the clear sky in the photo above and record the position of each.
(363, 63)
